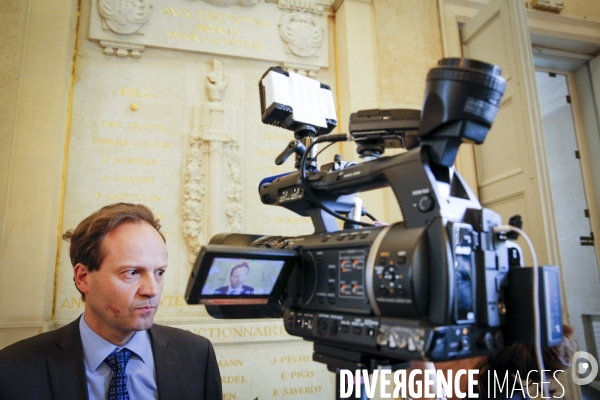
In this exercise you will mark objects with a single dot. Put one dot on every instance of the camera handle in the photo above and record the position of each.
(297, 146)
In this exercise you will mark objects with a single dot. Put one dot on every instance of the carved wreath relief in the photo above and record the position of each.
(302, 33)
(124, 16)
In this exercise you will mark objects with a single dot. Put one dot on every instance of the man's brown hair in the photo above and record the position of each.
(86, 239)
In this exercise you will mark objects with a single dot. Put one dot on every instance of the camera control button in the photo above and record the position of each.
(425, 203)
(340, 238)
(334, 328)
(325, 238)
(370, 332)
(465, 343)
(323, 325)
(411, 344)
(363, 235)
(357, 330)
(401, 260)
(487, 341)
(345, 328)
(389, 274)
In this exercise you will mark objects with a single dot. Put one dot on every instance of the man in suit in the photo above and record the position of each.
(114, 350)
(237, 276)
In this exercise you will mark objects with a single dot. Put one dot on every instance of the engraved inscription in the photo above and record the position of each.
(233, 379)
(217, 28)
(149, 162)
(72, 303)
(231, 363)
(133, 143)
(128, 179)
(128, 197)
(132, 125)
(298, 390)
(241, 332)
(128, 91)
(297, 374)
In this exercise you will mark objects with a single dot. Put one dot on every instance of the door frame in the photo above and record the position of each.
(552, 26)
(452, 14)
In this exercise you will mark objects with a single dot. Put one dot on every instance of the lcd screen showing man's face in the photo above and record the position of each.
(241, 276)
(238, 276)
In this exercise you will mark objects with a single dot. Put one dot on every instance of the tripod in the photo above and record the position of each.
(337, 359)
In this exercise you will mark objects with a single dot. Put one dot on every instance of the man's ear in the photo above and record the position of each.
(81, 276)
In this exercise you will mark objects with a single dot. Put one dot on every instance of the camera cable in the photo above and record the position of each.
(536, 304)
(312, 198)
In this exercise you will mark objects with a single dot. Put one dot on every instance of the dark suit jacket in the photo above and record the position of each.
(245, 290)
(51, 366)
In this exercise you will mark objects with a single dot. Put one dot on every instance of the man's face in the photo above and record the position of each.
(123, 295)
(238, 276)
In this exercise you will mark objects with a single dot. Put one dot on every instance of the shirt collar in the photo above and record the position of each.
(96, 348)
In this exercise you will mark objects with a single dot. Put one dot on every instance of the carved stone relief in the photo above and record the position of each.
(193, 199)
(302, 33)
(282, 31)
(121, 49)
(301, 5)
(212, 188)
(124, 16)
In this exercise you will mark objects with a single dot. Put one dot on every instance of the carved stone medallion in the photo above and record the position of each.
(302, 33)
(124, 16)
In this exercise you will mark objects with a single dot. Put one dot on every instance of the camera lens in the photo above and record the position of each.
(462, 89)
(461, 101)
(469, 71)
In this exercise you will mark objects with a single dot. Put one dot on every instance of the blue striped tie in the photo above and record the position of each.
(118, 388)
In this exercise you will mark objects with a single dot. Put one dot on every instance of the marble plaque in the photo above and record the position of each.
(273, 371)
(292, 32)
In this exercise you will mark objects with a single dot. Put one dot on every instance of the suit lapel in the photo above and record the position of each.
(166, 364)
(67, 370)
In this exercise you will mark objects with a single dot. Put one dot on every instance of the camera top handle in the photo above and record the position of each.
(423, 190)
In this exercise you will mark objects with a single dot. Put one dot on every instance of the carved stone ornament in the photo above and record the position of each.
(301, 5)
(216, 82)
(227, 3)
(302, 33)
(212, 189)
(193, 199)
(124, 16)
(233, 188)
(121, 49)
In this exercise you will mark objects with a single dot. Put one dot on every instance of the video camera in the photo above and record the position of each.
(443, 283)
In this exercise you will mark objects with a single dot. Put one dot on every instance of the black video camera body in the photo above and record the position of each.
(435, 286)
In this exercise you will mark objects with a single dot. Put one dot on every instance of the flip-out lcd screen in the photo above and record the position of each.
(238, 275)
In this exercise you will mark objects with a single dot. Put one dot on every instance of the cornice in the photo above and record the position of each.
(338, 3)
(556, 18)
